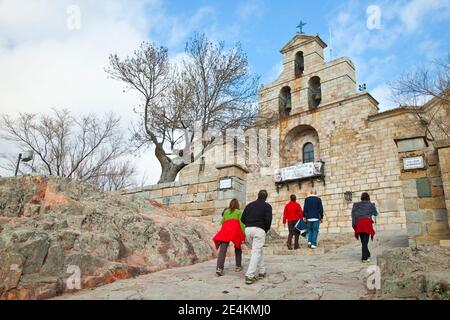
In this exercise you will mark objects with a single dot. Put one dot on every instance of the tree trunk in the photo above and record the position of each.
(169, 173)
(169, 168)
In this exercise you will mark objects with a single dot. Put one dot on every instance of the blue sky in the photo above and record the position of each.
(412, 33)
(46, 64)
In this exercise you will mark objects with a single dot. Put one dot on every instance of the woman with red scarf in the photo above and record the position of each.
(362, 223)
(233, 230)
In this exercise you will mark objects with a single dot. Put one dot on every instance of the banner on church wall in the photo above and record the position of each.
(299, 171)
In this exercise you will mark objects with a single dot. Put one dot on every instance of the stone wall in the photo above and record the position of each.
(200, 196)
(423, 194)
(357, 159)
(443, 148)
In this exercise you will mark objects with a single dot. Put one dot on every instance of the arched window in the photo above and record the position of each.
(299, 64)
(314, 92)
(285, 101)
(308, 153)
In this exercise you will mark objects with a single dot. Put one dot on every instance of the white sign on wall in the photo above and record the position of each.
(413, 163)
(225, 183)
(299, 171)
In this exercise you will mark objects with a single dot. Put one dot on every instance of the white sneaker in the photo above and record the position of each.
(309, 243)
(313, 247)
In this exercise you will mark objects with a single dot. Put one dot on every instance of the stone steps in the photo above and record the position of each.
(278, 246)
(300, 252)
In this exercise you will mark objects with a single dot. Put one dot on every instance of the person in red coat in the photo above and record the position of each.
(362, 223)
(292, 214)
(232, 230)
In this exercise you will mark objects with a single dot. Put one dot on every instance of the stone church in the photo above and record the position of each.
(318, 116)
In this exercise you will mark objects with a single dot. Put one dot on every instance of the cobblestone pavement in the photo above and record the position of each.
(338, 274)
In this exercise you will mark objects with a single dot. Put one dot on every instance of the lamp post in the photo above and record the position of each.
(25, 157)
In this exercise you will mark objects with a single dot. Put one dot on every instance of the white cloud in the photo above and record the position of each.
(414, 13)
(181, 28)
(399, 19)
(273, 73)
(382, 94)
(44, 65)
(250, 10)
(431, 49)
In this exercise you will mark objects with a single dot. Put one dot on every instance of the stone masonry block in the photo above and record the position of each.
(411, 204)
(388, 205)
(168, 192)
(423, 188)
(432, 203)
(441, 215)
(419, 216)
(414, 229)
(438, 228)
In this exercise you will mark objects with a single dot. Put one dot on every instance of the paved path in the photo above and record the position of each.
(335, 275)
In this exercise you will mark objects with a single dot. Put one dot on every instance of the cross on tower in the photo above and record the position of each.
(300, 26)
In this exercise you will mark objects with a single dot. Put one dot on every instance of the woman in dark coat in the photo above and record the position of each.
(362, 223)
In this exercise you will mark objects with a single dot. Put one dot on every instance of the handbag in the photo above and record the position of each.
(301, 226)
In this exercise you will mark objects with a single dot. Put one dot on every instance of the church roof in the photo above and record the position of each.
(396, 110)
(302, 39)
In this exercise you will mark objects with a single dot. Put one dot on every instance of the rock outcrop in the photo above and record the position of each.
(415, 273)
(57, 235)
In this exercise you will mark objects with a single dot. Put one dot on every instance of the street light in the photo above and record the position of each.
(27, 156)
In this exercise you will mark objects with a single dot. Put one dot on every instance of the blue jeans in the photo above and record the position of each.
(312, 229)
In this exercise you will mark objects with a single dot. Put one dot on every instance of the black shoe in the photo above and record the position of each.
(261, 276)
(219, 272)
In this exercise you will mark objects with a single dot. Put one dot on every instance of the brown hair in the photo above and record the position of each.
(262, 195)
(365, 197)
(234, 205)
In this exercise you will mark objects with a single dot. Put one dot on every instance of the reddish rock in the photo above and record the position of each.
(53, 229)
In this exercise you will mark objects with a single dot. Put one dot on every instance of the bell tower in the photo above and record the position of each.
(307, 81)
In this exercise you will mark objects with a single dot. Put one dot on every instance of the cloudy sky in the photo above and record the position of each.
(49, 58)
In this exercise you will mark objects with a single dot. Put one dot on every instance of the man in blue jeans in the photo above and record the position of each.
(313, 216)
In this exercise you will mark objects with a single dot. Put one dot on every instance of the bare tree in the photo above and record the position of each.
(212, 89)
(116, 176)
(86, 148)
(428, 86)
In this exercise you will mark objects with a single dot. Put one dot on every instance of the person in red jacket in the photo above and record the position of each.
(292, 214)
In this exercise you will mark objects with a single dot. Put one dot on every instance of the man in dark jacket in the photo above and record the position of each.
(313, 216)
(257, 217)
